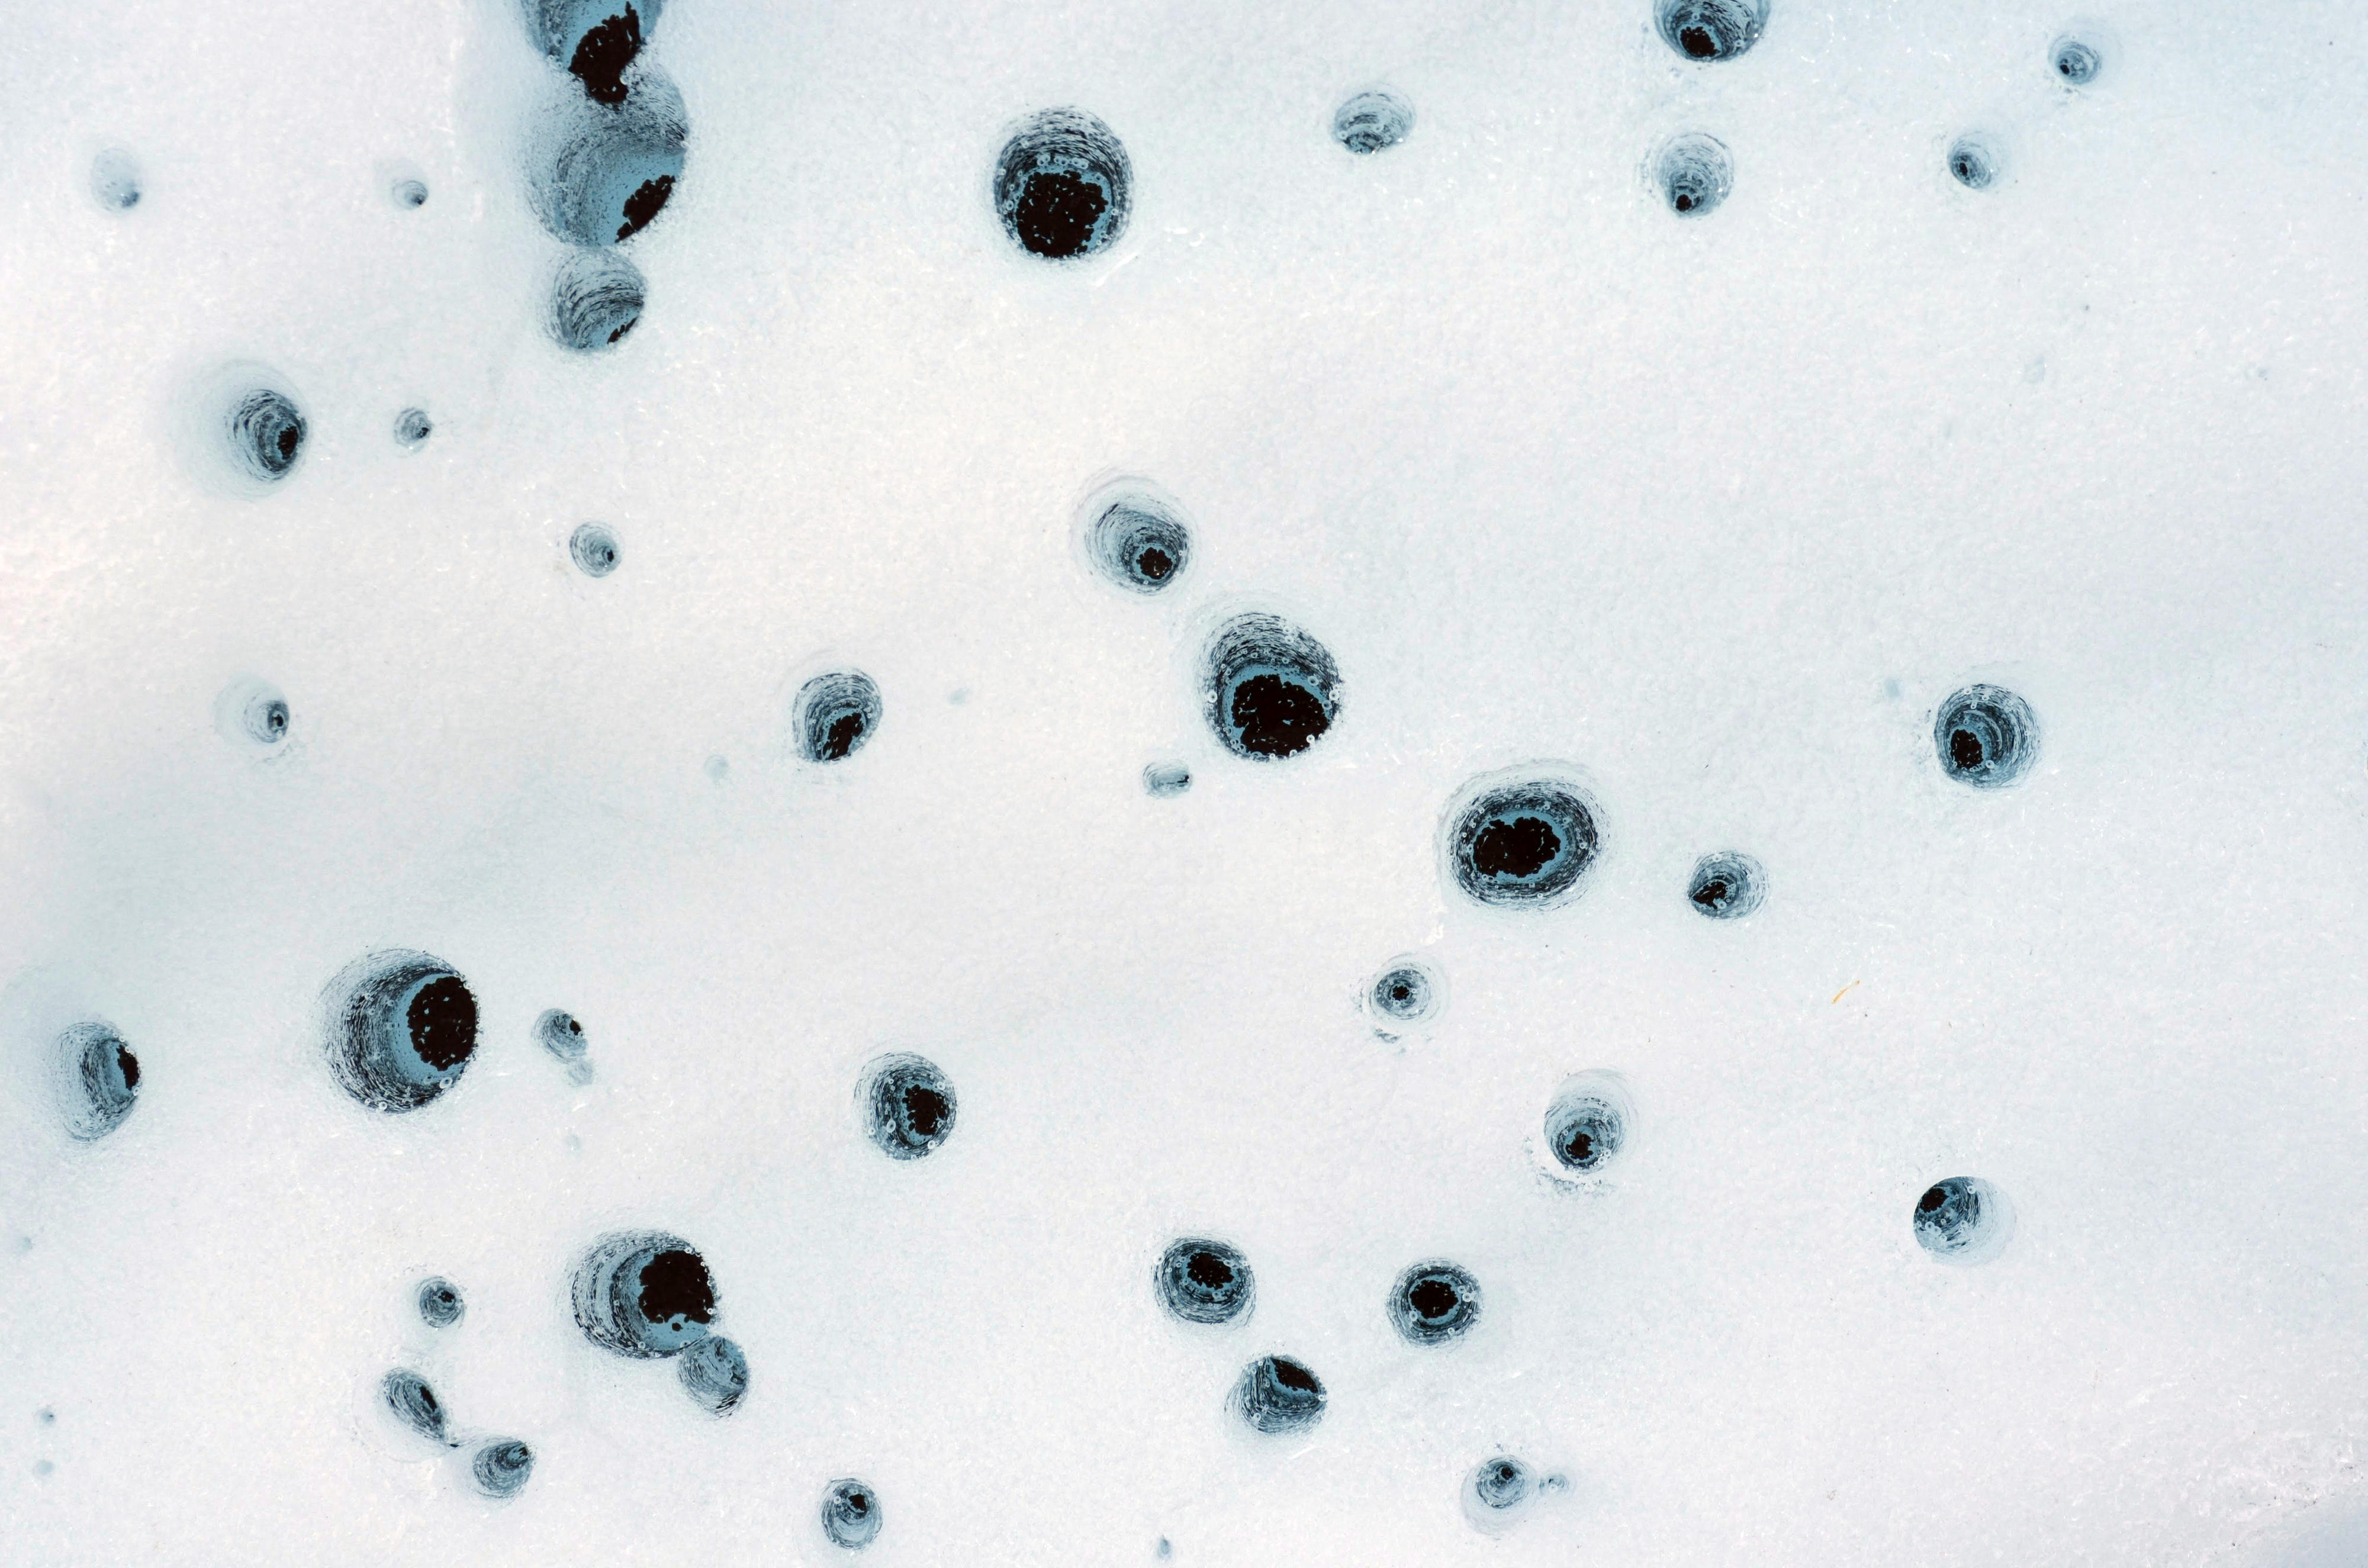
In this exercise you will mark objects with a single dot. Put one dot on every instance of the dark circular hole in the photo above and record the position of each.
(2077, 61)
(1585, 1125)
(415, 1405)
(1062, 185)
(1406, 993)
(1277, 1394)
(410, 193)
(561, 1034)
(594, 549)
(412, 427)
(910, 1107)
(1270, 689)
(1371, 121)
(1987, 737)
(1521, 842)
(1694, 173)
(1727, 885)
(266, 433)
(1972, 161)
(1502, 1484)
(440, 1304)
(1434, 1302)
(645, 1294)
(401, 1029)
(1711, 29)
(674, 1289)
(1961, 1220)
(1204, 1281)
(850, 1514)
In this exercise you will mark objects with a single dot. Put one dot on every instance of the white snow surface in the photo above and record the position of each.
(1717, 511)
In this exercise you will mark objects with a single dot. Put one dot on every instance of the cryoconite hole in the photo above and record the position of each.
(645, 1294)
(412, 427)
(413, 1403)
(599, 176)
(594, 549)
(602, 51)
(850, 1514)
(1963, 1220)
(402, 1029)
(1166, 779)
(1521, 841)
(1711, 29)
(1063, 186)
(835, 715)
(2076, 61)
(1434, 1302)
(251, 714)
(1137, 541)
(441, 1303)
(1987, 737)
(1973, 161)
(714, 1372)
(1275, 1394)
(103, 1078)
(907, 1105)
(264, 432)
(595, 298)
(502, 1467)
(1727, 885)
(115, 180)
(561, 1034)
(1370, 122)
(409, 193)
(1498, 1492)
(1694, 173)
(1586, 1126)
(1267, 689)
(1406, 993)
(1204, 1281)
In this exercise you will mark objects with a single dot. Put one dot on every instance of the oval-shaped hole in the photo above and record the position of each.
(1963, 1220)
(502, 1467)
(833, 716)
(1708, 30)
(1373, 120)
(601, 174)
(102, 1078)
(1269, 689)
(908, 1106)
(596, 298)
(1522, 838)
(715, 1373)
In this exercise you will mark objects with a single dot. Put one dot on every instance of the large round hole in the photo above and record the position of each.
(600, 175)
(1063, 186)
(1987, 737)
(402, 1028)
(1204, 1281)
(1522, 839)
(1277, 1395)
(1269, 689)
(1727, 885)
(1434, 1303)
(645, 1294)
(908, 1106)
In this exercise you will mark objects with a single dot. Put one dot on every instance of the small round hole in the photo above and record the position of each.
(1975, 161)
(1588, 1124)
(1434, 1303)
(441, 1303)
(412, 427)
(1371, 121)
(1987, 737)
(850, 1514)
(115, 180)
(594, 549)
(502, 1467)
(1707, 30)
(1204, 1281)
(908, 1106)
(715, 1373)
(1963, 1220)
(833, 716)
(1694, 173)
(1727, 885)
(1407, 994)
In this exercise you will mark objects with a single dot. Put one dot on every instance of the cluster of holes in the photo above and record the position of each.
(1269, 689)
(907, 1105)
(1063, 186)
(835, 715)
(1373, 120)
(647, 1295)
(499, 1467)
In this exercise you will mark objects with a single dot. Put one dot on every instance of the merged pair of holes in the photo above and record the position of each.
(1521, 838)
(1589, 1123)
(1694, 173)
(1709, 31)
(500, 1467)
(1408, 994)
(907, 1105)
(252, 714)
(1269, 689)
(1063, 186)
(1136, 538)
(1987, 737)
(850, 1514)
(602, 174)
(835, 715)
(401, 1028)
(101, 1077)
(648, 1295)
(1371, 121)
(596, 298)
(1963, 1220)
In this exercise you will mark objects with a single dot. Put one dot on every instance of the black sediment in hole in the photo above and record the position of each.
(1205, 1281)
(1063, 186)
(1987, 737)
